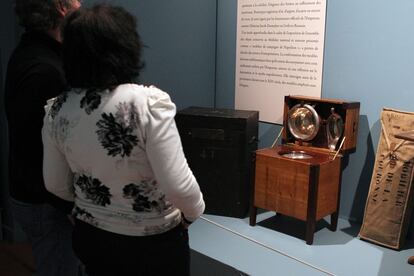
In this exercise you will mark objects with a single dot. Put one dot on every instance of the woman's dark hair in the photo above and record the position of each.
(40, 15)
(101, 47)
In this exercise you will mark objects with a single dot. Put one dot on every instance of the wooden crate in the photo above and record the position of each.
(307, 189)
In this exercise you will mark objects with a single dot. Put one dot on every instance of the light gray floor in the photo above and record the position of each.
(275, 247)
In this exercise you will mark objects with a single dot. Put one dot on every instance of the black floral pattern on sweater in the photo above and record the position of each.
(94, 190)
(128, 114)
(57, 104)
(115, 133)
(85, 216)
(90, 101)
(146, 198)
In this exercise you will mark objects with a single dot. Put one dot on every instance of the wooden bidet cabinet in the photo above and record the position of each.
(308, 190)
(301, 178)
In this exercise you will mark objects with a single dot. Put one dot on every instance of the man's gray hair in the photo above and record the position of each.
(40, 15)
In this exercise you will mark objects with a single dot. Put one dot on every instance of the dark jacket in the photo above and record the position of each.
(34, 74)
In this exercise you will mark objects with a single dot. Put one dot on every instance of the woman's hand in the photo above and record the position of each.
(185, 222)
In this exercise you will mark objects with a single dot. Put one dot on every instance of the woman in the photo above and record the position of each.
(112, 146)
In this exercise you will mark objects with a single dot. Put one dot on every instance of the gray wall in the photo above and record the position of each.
(180, 36)
(9, 31)
(368, 58)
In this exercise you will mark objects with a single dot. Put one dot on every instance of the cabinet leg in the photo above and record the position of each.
(334, 221)
(310, 231)
(253, 215)
(312, 203)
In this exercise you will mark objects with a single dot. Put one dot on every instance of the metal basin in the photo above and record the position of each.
(296, 155)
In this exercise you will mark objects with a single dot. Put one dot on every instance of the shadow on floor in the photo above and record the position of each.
(297, 228)
(202, 265)
(290, 226)
(16, 260)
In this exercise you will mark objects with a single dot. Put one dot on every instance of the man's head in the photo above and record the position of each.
(43, 15)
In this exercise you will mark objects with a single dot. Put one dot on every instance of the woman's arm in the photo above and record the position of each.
(57, 175)
(166, 156)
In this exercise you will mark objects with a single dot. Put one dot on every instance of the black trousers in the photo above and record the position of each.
(104, 253)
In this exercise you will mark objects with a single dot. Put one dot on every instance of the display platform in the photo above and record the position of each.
(271, 252)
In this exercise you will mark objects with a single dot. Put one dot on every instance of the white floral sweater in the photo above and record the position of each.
(117, 154)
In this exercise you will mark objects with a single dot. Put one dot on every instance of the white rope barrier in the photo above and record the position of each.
(266, 246)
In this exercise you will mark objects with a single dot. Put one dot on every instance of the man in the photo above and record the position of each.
(35, 74)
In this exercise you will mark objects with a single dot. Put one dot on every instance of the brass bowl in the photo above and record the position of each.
(296, 155)
(303, 122)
